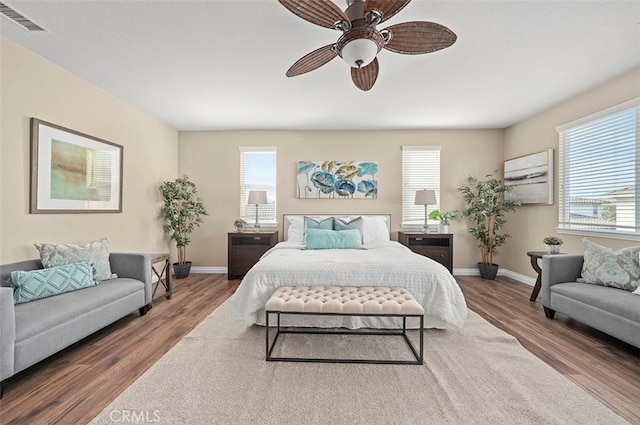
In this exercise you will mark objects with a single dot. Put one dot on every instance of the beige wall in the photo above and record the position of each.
(211, 159)
(533, 222)
(31, 86)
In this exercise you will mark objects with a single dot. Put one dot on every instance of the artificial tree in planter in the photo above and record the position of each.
(485, 209)
(181, 212)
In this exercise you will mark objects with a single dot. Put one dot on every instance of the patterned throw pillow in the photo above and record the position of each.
(36, 284)
(310, 223)
(604, 266)
(356, 223)
(96, 251)
(333, 239)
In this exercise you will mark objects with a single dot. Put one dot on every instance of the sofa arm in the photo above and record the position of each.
(133, 266)
(559, 269)
(7, 333)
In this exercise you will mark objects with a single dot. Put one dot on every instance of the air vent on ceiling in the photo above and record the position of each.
(19, 18)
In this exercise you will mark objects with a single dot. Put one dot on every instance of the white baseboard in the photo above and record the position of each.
(531, 281)
(456, 272)
(208, 270)
(501, 272)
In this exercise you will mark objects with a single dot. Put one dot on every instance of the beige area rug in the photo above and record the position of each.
(476, 375)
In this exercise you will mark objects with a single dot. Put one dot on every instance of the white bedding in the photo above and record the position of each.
(381, 264)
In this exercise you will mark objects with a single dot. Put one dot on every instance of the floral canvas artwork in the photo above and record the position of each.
(337, 180)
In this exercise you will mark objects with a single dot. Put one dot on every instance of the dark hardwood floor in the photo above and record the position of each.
(76, 384)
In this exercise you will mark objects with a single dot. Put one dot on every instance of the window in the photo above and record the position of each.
(599, 173)
(258, 172)
(420, 170)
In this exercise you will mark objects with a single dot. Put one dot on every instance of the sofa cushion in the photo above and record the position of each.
(613, 300)
(39, 316)
(96, 251)
(36, 284)
(604, 266)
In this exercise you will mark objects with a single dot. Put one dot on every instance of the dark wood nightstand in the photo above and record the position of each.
(437, 246)
(246, 248)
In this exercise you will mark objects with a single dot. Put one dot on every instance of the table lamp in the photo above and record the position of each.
(425, 197)
(257, 197)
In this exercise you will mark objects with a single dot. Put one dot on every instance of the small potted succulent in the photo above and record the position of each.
(553, 244)
(240, 224)
(444, 218)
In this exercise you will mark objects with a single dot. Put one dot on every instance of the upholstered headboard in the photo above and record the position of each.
(285, 226)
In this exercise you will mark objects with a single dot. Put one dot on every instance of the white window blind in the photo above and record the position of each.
(258, 172)
(599, 172)
(420, 170)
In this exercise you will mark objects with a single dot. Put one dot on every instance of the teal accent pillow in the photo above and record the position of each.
(340, 224)
(332, 239)
(326, 224)
(604, 266)
(36, 284)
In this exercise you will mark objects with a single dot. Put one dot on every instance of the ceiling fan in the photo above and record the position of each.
(361, 41)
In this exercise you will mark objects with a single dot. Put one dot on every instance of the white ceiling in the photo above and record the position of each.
(220, 64)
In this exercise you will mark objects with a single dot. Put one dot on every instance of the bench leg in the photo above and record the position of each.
(267, 334)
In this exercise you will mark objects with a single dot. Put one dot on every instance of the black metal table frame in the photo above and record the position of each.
(297, 330)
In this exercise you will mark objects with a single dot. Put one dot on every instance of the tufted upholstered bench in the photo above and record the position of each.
(344, 301)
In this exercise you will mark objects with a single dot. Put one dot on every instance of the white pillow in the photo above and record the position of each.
(374, 229)
(295, 232)
(637, 291)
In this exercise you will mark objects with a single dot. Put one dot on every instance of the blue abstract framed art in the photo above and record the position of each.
(337, 180)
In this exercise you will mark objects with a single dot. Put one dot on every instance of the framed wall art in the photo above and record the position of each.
(72, 172)
(531, 177)
(337, 180)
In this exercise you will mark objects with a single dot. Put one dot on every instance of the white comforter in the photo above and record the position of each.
(381, 264)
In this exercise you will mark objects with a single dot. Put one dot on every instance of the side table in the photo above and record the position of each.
(161, 267)
(535, 256)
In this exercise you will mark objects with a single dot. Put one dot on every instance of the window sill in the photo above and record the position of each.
(600, 234)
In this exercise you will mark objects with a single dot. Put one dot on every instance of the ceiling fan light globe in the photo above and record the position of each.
(359, 52)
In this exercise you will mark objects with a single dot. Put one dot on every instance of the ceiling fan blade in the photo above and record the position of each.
(320, 12)
(387, 8)
(311, 61)
(364, 78)
(416, 38)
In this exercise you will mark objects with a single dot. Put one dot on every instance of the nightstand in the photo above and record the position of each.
(246, 248)
(437, 246)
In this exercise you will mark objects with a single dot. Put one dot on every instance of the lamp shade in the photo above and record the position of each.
(425, 197)
(257, 197)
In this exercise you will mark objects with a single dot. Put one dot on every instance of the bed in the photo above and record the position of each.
(382, 263)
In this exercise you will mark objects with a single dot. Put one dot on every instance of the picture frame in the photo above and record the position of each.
(531, 178)
(336, 180)
(72, 172)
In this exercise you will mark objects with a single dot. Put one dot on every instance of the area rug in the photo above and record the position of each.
(476, 375)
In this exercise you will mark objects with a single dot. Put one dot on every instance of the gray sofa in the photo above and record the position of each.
(32, 331)
(610, 310)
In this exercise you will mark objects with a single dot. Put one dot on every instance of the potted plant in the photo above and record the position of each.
(553, 244)
(444, 218)
(485, 209)
(181, 212)
(240, 224)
